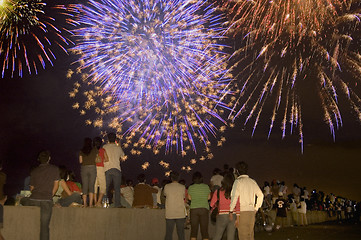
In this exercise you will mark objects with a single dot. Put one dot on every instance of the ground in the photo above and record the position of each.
(329, 231)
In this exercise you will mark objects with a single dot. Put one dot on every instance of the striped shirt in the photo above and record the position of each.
(199, 195)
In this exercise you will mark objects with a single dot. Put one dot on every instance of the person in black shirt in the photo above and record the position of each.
(44, 182)
(281, 208)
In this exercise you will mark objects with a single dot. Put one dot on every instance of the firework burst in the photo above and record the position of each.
(155, 70)
(28, 37)
(290, 47)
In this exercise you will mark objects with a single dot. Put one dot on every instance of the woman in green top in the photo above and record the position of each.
(199, 194)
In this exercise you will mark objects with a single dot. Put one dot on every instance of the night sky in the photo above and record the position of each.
(37, 114)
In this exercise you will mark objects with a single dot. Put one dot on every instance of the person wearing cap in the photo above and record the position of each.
(44, 182)
(246, 191)
(281, 211)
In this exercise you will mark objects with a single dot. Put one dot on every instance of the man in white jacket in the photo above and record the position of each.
(247, 192)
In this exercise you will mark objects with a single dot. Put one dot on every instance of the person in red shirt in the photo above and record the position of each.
(100, 179)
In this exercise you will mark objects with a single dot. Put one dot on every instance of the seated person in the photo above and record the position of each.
(143, 194)
(68, 192)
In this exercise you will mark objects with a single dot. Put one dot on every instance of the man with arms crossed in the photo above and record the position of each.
(245, 190)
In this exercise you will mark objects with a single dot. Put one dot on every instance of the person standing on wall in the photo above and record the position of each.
(112, 168)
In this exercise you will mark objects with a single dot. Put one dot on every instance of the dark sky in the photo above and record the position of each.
(37, 114)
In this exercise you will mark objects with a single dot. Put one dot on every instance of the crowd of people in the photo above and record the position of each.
(235, 195)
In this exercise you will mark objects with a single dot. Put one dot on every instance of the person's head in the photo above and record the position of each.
(226, 167)
(174, 176)
(112, 137)
(63, 172)
(87, 146)
(242, 168)
(280, 194)
(141, 178)
(44, 156)
(266, 184)
(227, 183)
(71, 176)
(129, 182)
(165, 182)
(98, 142)
(197, 178)
(216, 171)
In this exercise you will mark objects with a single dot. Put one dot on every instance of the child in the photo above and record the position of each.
(281, 207)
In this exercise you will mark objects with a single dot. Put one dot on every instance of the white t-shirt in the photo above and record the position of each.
(114, 153)
(174, 201)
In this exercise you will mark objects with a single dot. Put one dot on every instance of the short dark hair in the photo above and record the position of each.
(112, 137)
(216, 171)
(141, 178)
(174, 176)
(242, 168)
(197, 178)
(129, 182)
(44, 156)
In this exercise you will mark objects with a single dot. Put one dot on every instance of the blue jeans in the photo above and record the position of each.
(46, 209)
(115, 176)
(224, 223)
(179, 222)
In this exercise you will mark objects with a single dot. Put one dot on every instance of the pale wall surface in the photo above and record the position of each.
(99, 224)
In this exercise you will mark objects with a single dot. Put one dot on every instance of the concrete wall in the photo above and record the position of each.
(98, 223)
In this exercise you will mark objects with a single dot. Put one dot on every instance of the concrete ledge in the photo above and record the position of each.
(21, 223)
(101, 224)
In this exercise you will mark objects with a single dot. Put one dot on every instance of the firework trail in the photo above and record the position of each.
(28, 37)
(290, 47)
(155, 71)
